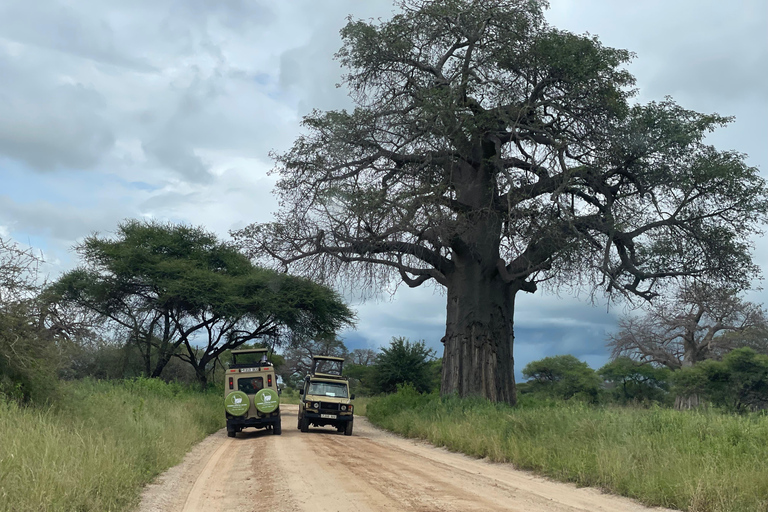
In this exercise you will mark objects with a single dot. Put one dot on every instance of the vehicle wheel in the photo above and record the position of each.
(277, 429)
(304, 424)
(231, 433)
(348, 429)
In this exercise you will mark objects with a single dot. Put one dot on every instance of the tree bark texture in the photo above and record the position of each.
(477, 359)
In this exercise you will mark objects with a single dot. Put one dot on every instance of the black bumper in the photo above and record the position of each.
(238, 422)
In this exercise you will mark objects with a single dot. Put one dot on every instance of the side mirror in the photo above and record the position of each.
(301, 391)
(352, 397)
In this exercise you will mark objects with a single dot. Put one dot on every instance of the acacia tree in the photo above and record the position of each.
(490, 152)
(699, 322)
(259, 305)
(165, 285)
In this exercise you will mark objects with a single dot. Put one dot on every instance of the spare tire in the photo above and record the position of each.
(266, 400)
(236, 403)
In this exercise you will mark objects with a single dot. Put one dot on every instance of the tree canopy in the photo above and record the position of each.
(166, 285)
(698, 322)
(562, 377)
(738, 383)
(404, 362)
(489, 153)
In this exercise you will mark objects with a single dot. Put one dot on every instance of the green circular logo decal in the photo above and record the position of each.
(236, 403)
(266, 400)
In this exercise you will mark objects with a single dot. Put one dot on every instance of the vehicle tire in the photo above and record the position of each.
(231, 433)
(237, 403)
(348, 429)
(277, 429)
(266, 400)
(304, 424)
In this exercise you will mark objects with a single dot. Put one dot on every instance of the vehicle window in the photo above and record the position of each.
(328, 389)
(250, 385)
(329, 367)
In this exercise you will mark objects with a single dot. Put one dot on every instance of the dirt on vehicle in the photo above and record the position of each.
(370, 471)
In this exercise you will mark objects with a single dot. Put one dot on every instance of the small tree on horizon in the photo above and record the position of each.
(564, 377)
(404, 362)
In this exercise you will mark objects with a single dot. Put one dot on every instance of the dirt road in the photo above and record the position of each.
(370, 471)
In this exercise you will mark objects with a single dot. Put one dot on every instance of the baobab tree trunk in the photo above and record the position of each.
(691, 356)
(477, 359)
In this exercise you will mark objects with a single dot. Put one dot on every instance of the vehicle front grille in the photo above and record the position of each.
(328, 406)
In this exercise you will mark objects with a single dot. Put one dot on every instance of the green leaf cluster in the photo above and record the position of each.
(563, 377)
(738, 383)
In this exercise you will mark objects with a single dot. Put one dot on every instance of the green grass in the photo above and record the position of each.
(695, 461)
(99, 444)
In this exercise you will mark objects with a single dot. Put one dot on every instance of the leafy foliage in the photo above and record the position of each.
(29, 355)
(738, 383)
(166, 287)
(563, 377)
(633, 382)
(405, 362)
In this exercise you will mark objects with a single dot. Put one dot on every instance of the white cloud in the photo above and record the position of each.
(169, 109)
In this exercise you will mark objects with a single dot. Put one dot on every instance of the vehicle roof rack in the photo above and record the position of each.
(249, 350)
(251, 364)
(333, 371)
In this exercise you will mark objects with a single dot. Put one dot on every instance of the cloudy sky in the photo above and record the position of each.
(168, 109)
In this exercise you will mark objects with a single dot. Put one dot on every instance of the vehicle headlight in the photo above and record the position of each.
(316, 405)
(343, 407)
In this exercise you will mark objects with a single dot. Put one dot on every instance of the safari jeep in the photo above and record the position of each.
(325, 398)
(250, 392)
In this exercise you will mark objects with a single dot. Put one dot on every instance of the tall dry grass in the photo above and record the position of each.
(695, 461)
(99, 444)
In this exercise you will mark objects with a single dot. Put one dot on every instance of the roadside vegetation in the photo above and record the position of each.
(105, 380)
(696, 460)
(99, 443)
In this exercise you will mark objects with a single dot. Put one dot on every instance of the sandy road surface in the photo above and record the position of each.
(370, 471)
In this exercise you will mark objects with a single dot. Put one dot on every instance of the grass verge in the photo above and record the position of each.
(99, 444)
(694, 461)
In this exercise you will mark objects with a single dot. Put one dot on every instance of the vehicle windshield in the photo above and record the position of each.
(328, 389)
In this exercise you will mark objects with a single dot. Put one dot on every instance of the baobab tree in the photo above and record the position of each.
(489, 153)
(698, 322)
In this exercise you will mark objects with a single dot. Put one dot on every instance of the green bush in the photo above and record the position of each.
(405, 362)
(562, 377)
(738, 383)
(634, 382)
(28, 357)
